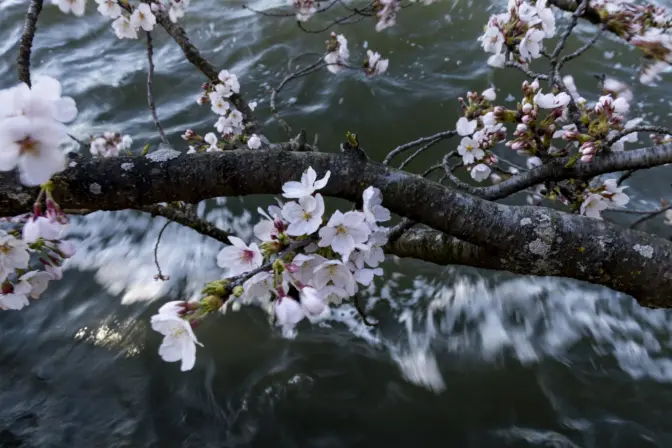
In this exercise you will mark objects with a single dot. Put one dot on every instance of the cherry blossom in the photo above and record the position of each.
(304, 217)
(615, 193)
(374, 212)
(254, 142)
(470, 151)
(311, 301)
(343, 231)
(179, 342)
(593, 205)
(288, 312)
(551, 101)
(308, 185)
(337, 53)
(465, 126)
(38, 282)
(374, 64)
(218, 104)
(480, 172)
(387, 14)
(76, 7)
(41, 227)
(336, 273)
(13, 254)
(305, 9)
(143, 17)
(16, 298)
(109, 8)
(239, 257)
(124, 29)
(229, 82)
(489, 94)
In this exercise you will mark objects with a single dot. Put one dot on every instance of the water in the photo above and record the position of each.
(461, 357)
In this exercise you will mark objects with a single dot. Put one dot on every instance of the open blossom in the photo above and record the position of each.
(465, 126)
(177, 9)
(17, 298)
(13, 254)
(143, 17)
(229, 80)
(618, 106)
(338, 55)
(593, 205)
(374, 65)
(387, 14)
(550, 101)
(254, 142)
(480, 172)
(344, 231)
(311, 301)
(239, 257)
(489, 94)
(74, 6)
(530, 47)
(336, 273)
(373, 209)
(218, 104)
(41, 227)
(179, 341)
(305, 9)
(288, 312)
(615, 193)
(38, 282)
(304, 217)
(365, 276)
(470, 151)
(109, 8)
(124, 29)
(308, 185)
(32, 145)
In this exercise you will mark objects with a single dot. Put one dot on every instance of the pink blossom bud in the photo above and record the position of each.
(587, 158)
(526, 85)
(195, 323)
(527, 108)
(201, 100)
(535, 85)
(517, 145)
(570, 136)
(205, 86)
(526, 119)
(521, 128)
(188, 134)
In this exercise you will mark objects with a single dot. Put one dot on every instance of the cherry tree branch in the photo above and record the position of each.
(150, 80)
(529, 239)
(26, 42)
(189, 220)
(401, 148)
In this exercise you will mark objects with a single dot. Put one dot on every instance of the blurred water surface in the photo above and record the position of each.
(462, 357)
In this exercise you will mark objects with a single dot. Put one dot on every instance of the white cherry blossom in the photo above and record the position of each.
(365, 276)
(288, 312)
(17, 299)
(465, 126)
(304, 217)
(254, 142)
(550, 101)
(38, 282)
(470, 150)
(530, 46)
(123, 29)
(179, 342)
(344, 231)
(76, 7)
(239, 257)
(218, 104)
(143, 17)
(489, 94)
(615, 193)
(312, 301)
(480, 172)
(373, 209)
(229, 80)
(41, 227)
(336, 273)
(593, 205)
(109, 8)
(308, 185)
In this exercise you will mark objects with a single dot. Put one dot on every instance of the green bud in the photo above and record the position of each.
(218, 288)
(211, 303)
(145, 150)
(270, 247)
(238, 291)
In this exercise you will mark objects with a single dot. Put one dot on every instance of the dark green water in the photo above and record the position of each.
(461, 358)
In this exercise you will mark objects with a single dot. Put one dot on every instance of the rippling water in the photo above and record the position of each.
(461, 357)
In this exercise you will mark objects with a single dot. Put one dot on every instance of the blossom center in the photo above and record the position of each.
(307, 216)
(341, 229)
(246, 255)
(177, 331)
(28, 145)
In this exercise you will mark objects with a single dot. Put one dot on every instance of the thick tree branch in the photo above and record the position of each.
(26, 42)
(534, 240)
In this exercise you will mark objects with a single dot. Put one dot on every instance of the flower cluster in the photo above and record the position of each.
(299, 266)
(481, 131)
(607, 195)
(32, 253)
(520, 31)
(374, 64)
(305, 9)
(230, 124)
(32, 127)
(110, 144)
(386, 11)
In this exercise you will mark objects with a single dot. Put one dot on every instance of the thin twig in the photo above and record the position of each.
(317, 65)
(650, 216)
(160, 275)
(584, 48)
(526, 70)
(341, 21)
(418, 152)
(181, 217)
(568, 31)
(449, 173)
(654, 129)
(420, 141)
(150, 96)
(26, 42)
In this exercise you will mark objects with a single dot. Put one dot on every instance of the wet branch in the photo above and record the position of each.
(26, 42)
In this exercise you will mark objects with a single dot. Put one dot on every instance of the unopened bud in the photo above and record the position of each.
(238, 291)
(526, 119)
(587, 158)
(7, 288)
(279, 224)
(527, 108)
(211, 303)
